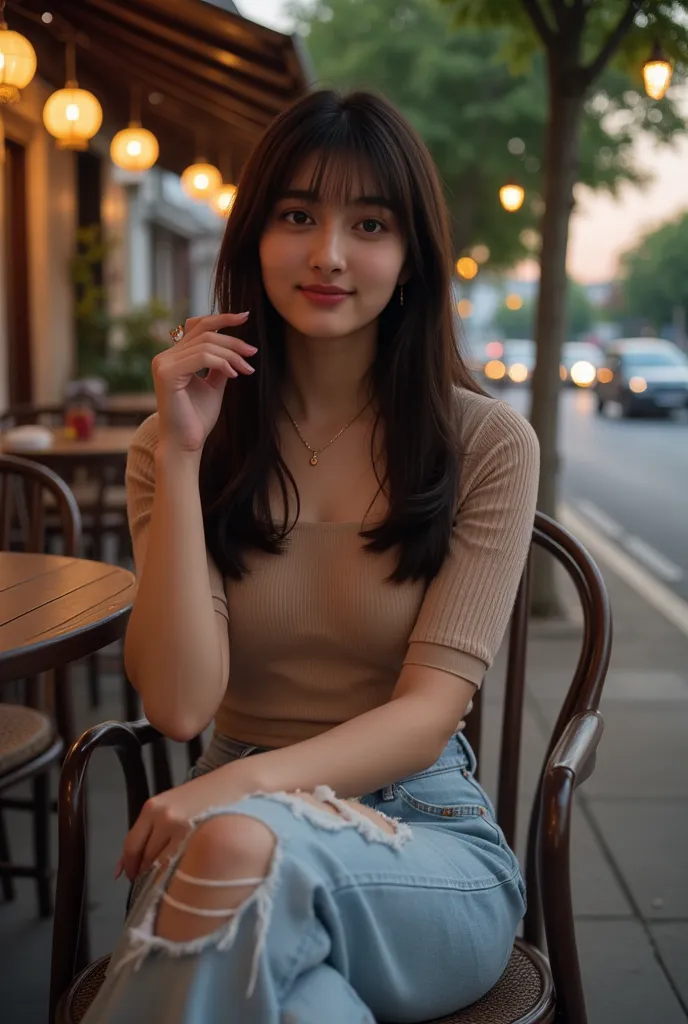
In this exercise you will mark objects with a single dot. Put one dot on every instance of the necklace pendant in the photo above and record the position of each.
(313, 460)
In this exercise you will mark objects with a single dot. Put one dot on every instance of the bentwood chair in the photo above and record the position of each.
(542, 982)
(29, 742)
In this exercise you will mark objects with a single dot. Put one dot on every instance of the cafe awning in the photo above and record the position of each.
(208, 77)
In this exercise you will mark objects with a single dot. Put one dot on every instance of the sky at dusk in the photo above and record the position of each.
(602, 227)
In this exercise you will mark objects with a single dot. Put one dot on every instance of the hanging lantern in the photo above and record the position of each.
(72, 115)
(201, 180)
(511, 197)
(17, 61)
(657, 73)
(134, 148)
(223, 201)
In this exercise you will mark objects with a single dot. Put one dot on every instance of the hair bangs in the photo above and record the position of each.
(354, 154)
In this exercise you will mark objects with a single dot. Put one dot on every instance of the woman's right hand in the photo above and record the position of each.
(188, 406)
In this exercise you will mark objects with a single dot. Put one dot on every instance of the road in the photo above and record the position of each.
(628, 478)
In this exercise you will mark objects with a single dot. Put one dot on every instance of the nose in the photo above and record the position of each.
(328, 252)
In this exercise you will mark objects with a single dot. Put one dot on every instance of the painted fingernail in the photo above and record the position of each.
(244, 315)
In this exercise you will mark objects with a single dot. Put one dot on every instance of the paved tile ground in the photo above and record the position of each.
(630, 829)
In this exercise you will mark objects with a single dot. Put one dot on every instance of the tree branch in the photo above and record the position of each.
(535, 13)
(614, 40)
(559, 11)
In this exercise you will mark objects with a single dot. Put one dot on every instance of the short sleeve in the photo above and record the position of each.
(467, 606)
(140, 484)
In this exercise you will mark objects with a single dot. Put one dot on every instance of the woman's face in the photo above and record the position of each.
(330, 269)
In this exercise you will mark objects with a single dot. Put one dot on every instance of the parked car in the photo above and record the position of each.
(643, 375)
(580, 361)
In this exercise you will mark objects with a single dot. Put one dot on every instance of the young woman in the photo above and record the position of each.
(329, 528)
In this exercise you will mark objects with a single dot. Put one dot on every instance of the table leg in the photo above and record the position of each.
(64, 706)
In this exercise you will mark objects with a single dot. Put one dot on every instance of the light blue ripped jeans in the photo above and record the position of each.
(352, 925)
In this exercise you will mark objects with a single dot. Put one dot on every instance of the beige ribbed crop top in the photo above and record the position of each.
(317, 637)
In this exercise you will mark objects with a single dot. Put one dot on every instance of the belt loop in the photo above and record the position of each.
(389, 792)
(468, 751)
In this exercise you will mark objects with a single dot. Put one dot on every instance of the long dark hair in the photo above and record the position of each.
(417, 366)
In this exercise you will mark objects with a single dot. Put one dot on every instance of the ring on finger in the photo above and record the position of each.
(177, 333)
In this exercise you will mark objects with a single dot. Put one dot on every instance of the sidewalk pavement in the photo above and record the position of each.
(630, 830)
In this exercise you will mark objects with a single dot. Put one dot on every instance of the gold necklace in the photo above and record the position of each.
(315, 452)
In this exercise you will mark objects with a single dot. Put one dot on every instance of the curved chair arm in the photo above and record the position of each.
(570, 763)
(69, 952)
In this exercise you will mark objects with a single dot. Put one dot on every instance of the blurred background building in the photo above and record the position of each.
(206, 82)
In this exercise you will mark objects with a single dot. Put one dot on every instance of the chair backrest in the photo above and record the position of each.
(583, 694)
(30, 495)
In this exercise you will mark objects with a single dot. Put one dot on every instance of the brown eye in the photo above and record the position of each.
(370, 225)
(300, 217)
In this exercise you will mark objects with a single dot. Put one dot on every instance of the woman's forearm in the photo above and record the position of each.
(173, 653)
(390, 742)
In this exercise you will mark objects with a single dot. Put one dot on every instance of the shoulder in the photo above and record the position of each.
(141, 455)
(500, 453)
(489, 426)
(146, 436)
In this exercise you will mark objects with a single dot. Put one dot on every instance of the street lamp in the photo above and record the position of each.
(657, 74)
(467, 267)
(511, 196)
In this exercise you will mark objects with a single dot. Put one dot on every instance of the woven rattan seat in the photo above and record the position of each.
(523, 988)
(24, 733)
(84, 989)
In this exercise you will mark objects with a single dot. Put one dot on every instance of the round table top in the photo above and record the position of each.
(103, 441)
(56, 609)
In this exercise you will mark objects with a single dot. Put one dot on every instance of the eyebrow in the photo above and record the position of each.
(312, 197)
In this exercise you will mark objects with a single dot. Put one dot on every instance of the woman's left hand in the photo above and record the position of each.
(165, 819)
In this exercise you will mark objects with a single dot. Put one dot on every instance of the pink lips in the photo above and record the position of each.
(323, 296)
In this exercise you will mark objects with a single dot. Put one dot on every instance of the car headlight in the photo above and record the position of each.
(637, 385)
(495, 369)
(583, 373)
(518, 372)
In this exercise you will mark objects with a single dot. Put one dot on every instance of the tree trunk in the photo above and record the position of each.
(566, 97)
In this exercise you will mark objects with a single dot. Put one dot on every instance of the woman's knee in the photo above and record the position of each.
(227, 858)
(229, 841)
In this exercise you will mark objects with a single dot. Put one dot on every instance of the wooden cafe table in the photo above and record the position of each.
(56, 609)
(91, 466)
(106, 444)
